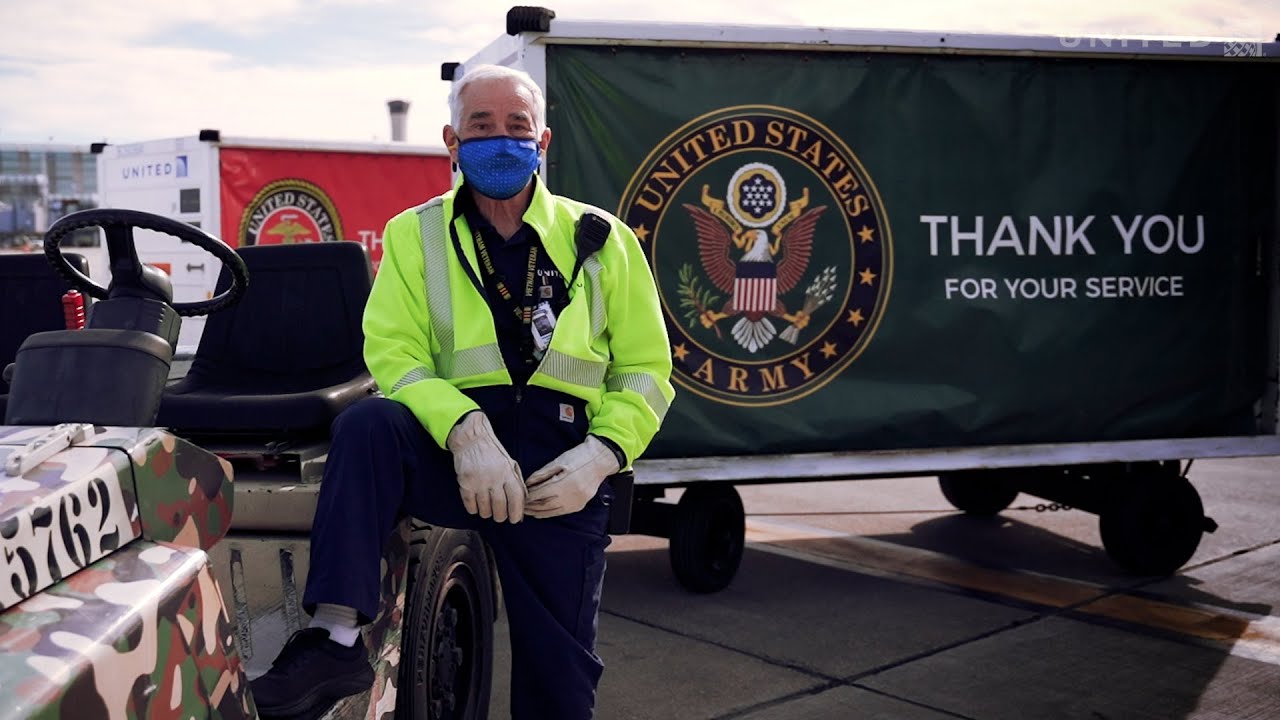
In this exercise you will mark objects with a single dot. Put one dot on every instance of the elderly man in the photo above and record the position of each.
(519, 341)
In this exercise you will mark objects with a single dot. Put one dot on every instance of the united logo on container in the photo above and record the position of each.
(771, 250)
(289, 211)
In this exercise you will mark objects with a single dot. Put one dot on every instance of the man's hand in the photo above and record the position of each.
(487, 476)
(565, 485)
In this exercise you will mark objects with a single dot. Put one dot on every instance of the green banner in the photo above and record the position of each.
(865, 251)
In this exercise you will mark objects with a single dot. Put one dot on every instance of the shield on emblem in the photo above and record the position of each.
(755, 287)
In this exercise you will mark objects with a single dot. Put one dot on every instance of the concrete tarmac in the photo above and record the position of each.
(876, 599)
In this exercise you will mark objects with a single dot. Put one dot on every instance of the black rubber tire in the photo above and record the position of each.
(446, 655)
(708, 534)
(1153, 522)
(978, 493)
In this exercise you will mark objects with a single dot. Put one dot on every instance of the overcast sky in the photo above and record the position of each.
(76, 71)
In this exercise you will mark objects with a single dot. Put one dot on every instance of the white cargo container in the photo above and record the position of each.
(252, 191)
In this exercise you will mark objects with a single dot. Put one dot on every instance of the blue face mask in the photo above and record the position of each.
(498, 167)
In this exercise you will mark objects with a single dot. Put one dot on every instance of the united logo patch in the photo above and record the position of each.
(289, 211)
(771, 250)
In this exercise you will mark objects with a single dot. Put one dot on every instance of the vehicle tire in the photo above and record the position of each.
(708, 533)
(446, 664)
(1153, 522)
(978, 493)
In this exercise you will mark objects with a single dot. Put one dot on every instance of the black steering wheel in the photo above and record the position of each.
(126, 268)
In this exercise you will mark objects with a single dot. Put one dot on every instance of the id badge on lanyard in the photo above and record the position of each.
(541, 326)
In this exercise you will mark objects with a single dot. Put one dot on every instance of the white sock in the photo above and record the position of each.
(339, 620)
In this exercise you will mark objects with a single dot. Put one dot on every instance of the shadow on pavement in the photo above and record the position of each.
(794, 639)
(1008, 542)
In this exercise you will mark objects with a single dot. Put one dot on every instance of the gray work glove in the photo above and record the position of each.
(489, 480)
(565, 485)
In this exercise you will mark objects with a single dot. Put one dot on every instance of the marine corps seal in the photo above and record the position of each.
(289, 211)
(771, 250)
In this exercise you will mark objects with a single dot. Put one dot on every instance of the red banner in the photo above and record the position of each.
(274, 196)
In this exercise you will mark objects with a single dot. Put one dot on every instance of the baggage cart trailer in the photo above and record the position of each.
(1021, 263)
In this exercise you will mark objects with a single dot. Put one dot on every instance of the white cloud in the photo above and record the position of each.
(177, 92)
(50, 30)
(77, 71)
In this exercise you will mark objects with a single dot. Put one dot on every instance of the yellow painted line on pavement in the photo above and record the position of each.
(1254, 637)
(1257, 638)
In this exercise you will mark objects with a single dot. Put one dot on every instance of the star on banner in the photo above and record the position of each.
(855, 318)
(642, 233)
(680, 351)
(867, 234)
(867, 277)
(828, 350)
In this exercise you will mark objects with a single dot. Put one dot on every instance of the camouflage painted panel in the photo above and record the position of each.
(171, 654)
(62, 515)
(184, 492)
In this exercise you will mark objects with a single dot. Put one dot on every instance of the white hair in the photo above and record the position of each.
(498, 72)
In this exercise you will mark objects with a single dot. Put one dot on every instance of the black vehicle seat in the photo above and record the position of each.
(30, 302)
(286, 359)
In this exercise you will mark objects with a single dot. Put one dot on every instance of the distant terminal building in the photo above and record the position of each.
(40, 183)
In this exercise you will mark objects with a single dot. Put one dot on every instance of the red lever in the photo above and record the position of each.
(73, 309)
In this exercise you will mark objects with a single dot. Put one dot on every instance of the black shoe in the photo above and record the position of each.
(311, 673)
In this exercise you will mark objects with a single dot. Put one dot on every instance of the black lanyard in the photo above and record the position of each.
(524, 310)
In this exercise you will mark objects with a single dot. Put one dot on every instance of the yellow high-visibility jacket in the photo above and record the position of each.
(429, 334)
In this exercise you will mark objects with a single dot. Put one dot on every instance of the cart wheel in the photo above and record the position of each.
(978, 493)
(1154, 523)
(447, 652)
(708, 531)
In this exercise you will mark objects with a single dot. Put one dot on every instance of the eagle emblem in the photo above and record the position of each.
(755, 249)
(290, 230)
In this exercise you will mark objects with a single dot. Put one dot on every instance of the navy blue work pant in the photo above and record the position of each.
(382, 466)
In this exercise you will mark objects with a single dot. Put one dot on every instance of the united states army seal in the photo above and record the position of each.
(771, 250)
(289, 211)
